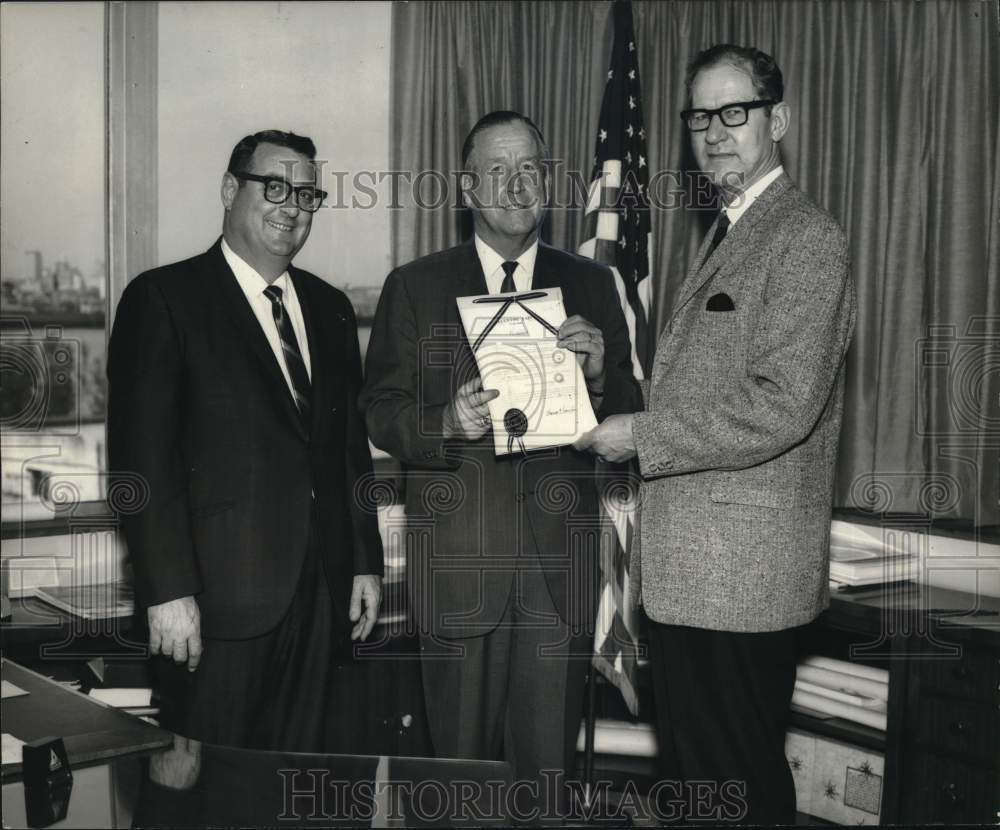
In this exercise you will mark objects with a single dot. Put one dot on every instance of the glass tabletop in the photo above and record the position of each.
(195, 785)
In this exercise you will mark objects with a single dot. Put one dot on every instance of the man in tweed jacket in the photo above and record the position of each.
(737, 449)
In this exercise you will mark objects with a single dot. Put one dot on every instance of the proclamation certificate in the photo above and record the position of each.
(543, 400)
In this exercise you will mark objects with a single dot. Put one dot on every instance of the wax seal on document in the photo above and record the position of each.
(515, 422)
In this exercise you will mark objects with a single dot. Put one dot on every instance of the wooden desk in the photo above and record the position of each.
(942, 742)
(387, 665)
(90, 730)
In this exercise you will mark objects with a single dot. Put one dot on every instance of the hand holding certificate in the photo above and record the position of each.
(543, 399)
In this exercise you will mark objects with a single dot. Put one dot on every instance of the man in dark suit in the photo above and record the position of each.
(233, 386)
(500, 549)
(738, 447)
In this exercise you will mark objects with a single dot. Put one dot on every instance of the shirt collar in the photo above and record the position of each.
(751, 194)
(491, 260)
(252, 283)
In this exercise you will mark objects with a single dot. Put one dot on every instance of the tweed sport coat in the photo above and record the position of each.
(738, 445)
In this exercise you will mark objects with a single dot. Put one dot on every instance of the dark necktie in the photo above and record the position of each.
(720, 234)
(508, 280)
(301, 388)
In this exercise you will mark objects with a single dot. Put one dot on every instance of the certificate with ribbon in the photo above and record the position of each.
(543, 400)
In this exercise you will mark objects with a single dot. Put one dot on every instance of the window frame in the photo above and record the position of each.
(130, 191)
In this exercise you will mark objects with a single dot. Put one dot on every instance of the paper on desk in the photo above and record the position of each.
(10, 750)
(140, 698)
(8, 689)
(543, 400)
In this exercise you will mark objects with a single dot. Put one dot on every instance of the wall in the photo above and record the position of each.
(229, 69)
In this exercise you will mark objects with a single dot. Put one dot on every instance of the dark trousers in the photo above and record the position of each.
(289, 689)
(514, 694)
(722, 707)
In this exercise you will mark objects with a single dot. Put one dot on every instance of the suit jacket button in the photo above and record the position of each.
(333, 411)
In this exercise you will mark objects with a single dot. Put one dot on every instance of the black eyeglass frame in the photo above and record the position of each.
(746, 106)
(288, 189)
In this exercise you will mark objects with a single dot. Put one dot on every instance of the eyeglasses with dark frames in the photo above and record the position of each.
(277, 190)
(731, 115)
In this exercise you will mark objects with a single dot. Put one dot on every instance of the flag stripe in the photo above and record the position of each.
(617, 232)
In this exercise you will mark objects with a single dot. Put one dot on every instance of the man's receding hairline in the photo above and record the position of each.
(533, 131)
(735, 61)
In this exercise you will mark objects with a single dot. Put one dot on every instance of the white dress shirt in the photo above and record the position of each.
(492, 264)
(253, 285)
(742, 203)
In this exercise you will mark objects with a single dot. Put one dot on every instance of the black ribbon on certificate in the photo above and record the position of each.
(507, 302)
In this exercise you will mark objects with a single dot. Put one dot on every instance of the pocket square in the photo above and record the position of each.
(720, 302)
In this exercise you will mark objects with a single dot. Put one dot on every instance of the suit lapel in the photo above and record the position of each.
(546, 275)
(469, 281)
(469, 277)
(698, 269)
(732, 246)
(234, 302)
(326, 370)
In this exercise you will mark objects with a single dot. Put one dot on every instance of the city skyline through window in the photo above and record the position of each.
(53, 276)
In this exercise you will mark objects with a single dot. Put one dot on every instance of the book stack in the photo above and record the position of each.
(862, 557)
(107, 600)
(828, 688)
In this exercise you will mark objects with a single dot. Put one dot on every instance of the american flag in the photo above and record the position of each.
(617, 234)
(617, 226)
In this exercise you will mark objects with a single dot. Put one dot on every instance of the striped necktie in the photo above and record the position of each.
(508, 281)
(301, 388)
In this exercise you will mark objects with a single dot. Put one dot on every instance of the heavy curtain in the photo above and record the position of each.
(895, 132)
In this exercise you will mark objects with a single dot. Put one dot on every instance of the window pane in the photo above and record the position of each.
(52, 235)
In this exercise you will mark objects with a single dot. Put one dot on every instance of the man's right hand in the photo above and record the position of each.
(178, 767)
(468, 416)
(175, 631)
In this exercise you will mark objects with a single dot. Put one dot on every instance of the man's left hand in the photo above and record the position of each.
(367, 590)
(610, 440)
(585, 339)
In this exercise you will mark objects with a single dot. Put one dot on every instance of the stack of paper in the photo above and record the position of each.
(863, 556)
(106, 600)
(138, 701)
(616, 737)
(10, 753)
(837, 688)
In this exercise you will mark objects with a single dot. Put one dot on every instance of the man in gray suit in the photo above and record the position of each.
(737, 449)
